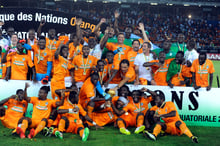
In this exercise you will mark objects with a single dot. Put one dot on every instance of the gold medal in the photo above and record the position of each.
(85, 65)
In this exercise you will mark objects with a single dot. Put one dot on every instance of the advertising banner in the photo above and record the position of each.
(23, 19)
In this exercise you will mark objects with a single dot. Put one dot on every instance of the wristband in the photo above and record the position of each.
(94, 123)
(70, 110)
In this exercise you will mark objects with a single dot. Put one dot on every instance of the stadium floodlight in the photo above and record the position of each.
(186, 5)
(154, 4)
(75, 0)
(189, 16)
(119, 2)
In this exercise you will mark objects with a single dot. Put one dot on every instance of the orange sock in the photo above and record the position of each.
(50, 122)
(140, 120)
(54, 130)
(24, 125)
(120, 124)
(40, 127)
(61, 126)
(185, 130)
(81, 132)
(157, 129)
(90, 109)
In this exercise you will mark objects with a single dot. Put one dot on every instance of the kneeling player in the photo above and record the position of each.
(70, 121)
(172, 123)
(42, 108)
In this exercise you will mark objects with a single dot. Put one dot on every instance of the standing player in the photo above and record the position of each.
(172, 123)
(133, 53)
(41, 111)
(175, 70)
(159, 68)
(17, 65)
(202, 68)
(42, 59)
(60, 69)
(143, 74)
(81, 66)
(190, 55)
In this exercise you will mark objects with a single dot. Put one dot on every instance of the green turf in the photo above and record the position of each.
(208, 136)
(217, 72)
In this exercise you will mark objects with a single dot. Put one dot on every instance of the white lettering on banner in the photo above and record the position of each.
(195, 107)
(24, 17)
(213, 56)
(49, 18)
(7, 17)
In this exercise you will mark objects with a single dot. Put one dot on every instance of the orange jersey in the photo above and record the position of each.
(103, 75)
(167, 108)
(82, 67)
(160, 73)
(52, 45)
(68, 105)
(141, 106)
(120, 76)
(131, 57)
(19, 65)
(74, 51)
(3, 67)
(41, 57)
(60, 68)
(65, 39)
(42, 108)
(109, 68)
(15, 111)
(86, 92)
(202, 72)
(115, 46)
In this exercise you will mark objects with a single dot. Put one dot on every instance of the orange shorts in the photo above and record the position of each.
(9, 124)
(102, 119)
(129, 120)
(74, 124)
(172, 129)
(35, 123)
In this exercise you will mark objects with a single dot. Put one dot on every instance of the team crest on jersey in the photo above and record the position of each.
(45, 54)
(46, 103)
(142, 104)
(23, 105)
(207, 66)
(165, 110)
(23, 59)
(167, 65)
(90, 61)
(170, 54)
(55, 42)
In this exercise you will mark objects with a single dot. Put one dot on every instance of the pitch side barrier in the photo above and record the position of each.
(195, 107)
